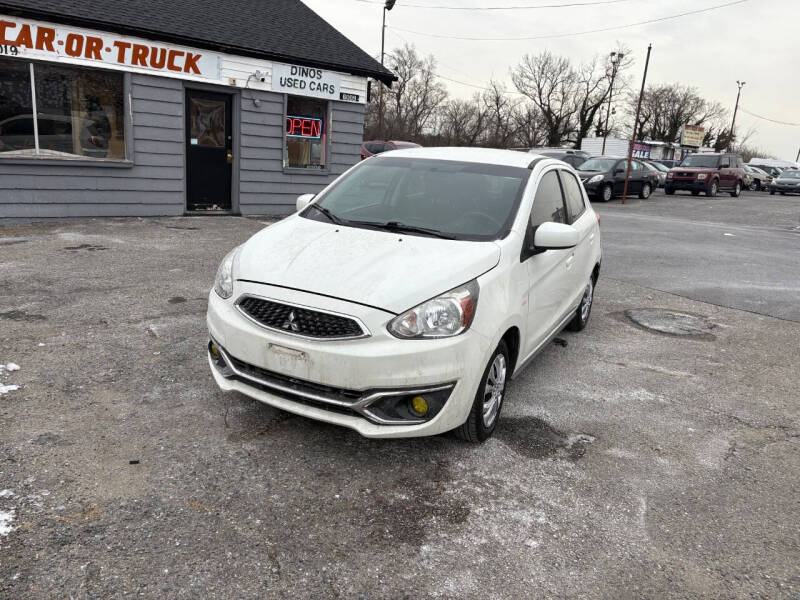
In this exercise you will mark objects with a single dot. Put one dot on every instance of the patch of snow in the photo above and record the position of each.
(6, 518)
(12, 367)
(4, 389)
(6, 493)
(41, 345)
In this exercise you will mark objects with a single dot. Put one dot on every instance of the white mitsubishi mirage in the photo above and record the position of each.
(401, 299)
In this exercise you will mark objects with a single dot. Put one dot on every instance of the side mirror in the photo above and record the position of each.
(555, 236)
(304, 200)
(619, 171)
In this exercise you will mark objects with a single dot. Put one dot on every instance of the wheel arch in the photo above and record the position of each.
(512, 339)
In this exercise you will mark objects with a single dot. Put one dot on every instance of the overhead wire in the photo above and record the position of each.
(569, 34)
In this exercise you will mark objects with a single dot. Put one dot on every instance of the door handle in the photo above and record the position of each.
(229, 157)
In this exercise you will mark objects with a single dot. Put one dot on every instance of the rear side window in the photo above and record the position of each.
(573, 196)
(374, 148)
(548, 204)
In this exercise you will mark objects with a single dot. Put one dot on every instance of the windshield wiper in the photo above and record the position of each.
(331, 217)
(403, 228)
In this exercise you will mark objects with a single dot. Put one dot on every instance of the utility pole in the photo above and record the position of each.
(636, 125)
(387, 6)
(735, 110)
(616, 59)
(798, 157)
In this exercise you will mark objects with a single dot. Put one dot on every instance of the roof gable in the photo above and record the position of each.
(282, 30)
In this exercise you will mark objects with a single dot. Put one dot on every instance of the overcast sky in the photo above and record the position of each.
(757, 41)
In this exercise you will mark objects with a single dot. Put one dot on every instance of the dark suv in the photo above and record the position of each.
(707, 173)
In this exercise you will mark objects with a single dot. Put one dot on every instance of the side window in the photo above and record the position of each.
(573, 196)
(635, 166)
(387, 147)
(724, 162)
(548, 204)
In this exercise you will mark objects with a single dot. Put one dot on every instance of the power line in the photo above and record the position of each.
(534, 7)
(575, 33)
(752, 114)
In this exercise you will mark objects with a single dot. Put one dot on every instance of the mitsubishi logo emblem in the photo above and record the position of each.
(290, 324)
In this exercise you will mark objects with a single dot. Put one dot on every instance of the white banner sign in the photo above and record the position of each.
(305, 81)
(31, 39)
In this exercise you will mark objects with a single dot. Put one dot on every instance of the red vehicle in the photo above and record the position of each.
(708, 173)
(376, 147)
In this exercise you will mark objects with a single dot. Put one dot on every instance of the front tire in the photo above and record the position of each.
(669, 191)
(606, 193)
(713, 188)
(645, 193)
(737, 190)
(584, 311)
(485, 412)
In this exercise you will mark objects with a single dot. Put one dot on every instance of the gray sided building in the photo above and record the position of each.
(155, 108)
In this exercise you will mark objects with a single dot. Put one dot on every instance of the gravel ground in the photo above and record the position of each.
(628, 463)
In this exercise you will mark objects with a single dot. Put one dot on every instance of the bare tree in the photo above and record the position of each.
(410, 105)
(501, 124)
(667, 108)
(531, 130)
(462, 122)
(549, 82)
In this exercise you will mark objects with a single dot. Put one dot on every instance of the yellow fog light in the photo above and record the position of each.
(214, 350)
(419, 406)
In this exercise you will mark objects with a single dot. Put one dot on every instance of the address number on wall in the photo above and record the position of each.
(9, 50)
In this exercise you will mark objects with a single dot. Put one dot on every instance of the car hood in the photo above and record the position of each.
(386, 270)
(585, 174)
(692, 169)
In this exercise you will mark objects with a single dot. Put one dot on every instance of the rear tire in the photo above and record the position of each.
(485, 412)
(737, 190)
(645, 193)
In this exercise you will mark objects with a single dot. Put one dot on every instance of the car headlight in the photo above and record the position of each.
(595, 179)
(447, 315)
(670, 175)
(701, 176)
(223, 283)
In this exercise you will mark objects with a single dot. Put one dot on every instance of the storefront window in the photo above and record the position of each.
(16, 110)
(79, 112)
(306, 133)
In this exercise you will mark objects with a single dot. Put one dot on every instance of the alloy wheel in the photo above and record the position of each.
(607, 193)
(586, 302)
(494, 390)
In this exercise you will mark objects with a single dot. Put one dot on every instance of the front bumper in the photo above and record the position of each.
(350, 372)
(786, 189)
(689, 185)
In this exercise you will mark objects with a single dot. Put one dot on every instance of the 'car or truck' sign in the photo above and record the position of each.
(34, 40)
(641, 150)
(693, 136)
(305, 81)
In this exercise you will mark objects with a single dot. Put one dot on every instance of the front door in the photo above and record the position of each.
(209, 151)
(548, 285)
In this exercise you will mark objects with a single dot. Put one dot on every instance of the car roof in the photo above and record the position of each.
(491, 156)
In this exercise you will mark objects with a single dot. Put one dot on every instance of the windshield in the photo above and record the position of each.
(790, 175)
(459, 200)
(598, 164)
(700, 160)
(659, 166)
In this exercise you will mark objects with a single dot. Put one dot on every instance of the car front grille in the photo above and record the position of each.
(295, 320)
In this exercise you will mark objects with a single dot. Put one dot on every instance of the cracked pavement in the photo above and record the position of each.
(628, 463)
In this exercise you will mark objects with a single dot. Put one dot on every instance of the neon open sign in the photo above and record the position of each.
(303, 127)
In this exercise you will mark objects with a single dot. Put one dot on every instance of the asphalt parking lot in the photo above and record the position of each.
(628, 463)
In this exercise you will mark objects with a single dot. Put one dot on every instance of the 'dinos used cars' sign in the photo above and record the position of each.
(305, 81)
(693, 136)
(35, 40)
